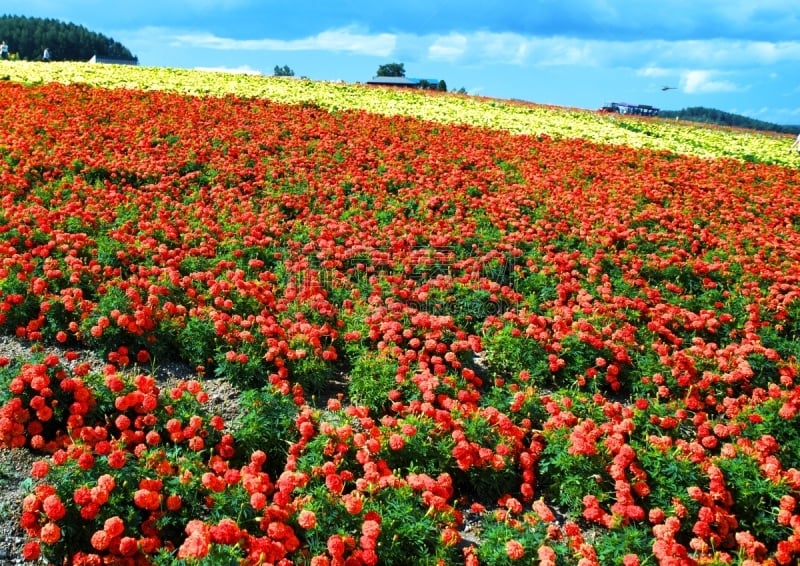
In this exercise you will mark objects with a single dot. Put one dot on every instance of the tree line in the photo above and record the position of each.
(714, 116)
(28, 37)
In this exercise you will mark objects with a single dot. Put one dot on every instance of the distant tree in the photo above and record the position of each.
(28, 37)
(284, 71)
(462, 90)
(442, 86)
(391, 70)
(714, 116)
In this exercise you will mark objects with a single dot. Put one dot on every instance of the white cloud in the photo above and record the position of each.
(483, 47)
(700, 81)
(448, 47)
(342, 40)
(656, 72)
(501, 47)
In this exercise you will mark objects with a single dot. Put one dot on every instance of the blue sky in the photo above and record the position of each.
(741, 56)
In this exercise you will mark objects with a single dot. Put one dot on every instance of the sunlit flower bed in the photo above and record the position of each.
(513, 116)
(591, 350)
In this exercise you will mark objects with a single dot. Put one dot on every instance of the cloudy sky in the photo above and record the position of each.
(741, 56)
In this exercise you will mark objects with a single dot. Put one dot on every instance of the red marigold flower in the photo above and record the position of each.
(86, 461)
(44, 414)
(82, 495)
(371, 528)
(40, 469)
(51, 533)
(515, 550)
(336, 546)
(353, 503)
(258, 500)
(152, 438)
(128, 546)
(174, 502)
(106, 482)
(31, 503)
(153, 484)
(547, 556)
(195, 526)
(513, 505)
(146, 499)
(90, 511)
(369, 557)
(258, 458)
(225, 532)
(37, 441)
(114, 526)
(217, 423)
(195, 546)
(29, 520)
(31, 551)
(368, 543)
(396, 442)
(450, 537)
(117, 459)
(334, 483)
(150, 544)
(100, 540)
(543, 511)
(54, 508)
(307, 519)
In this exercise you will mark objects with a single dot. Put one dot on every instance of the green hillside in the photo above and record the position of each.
(721, 118)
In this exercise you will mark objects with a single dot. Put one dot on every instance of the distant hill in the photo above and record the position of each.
(27, 38)
(713, 116)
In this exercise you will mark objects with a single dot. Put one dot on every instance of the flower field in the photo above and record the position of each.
(585, 345)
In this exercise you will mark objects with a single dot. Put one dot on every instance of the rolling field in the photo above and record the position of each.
(459, 330)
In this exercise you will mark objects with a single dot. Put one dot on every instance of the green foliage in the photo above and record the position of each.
(391, 70)
(372, 377)
(427, 451)
(23, 305)
(769, 421)
(714, 116)
(509, 352)
(69, 42)
(197, 342)
(566, 478)
(670, 475)
(752, 491)
(312, 372)
(218, 555)
(284, 71)
(497, 530)
(244, 367)
(410, 530)
(612, 545)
